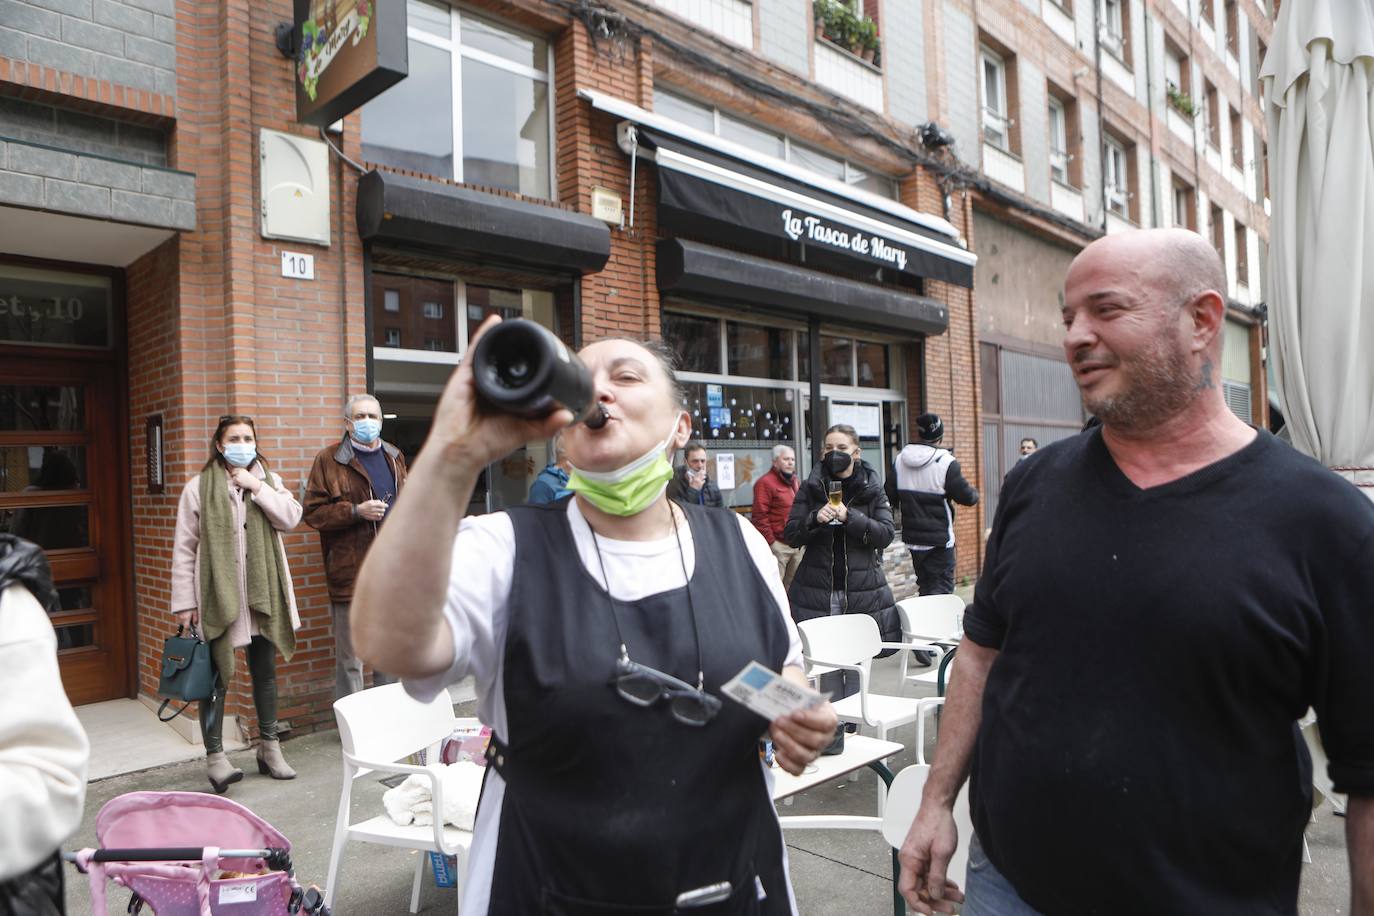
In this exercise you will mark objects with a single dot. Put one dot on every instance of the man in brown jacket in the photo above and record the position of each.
(351, 486)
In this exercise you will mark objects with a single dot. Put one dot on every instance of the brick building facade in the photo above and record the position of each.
(135, 158)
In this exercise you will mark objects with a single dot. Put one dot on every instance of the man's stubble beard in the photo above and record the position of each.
(1159, 384)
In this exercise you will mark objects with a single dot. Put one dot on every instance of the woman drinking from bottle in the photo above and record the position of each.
(230, 578)
(843, 519)
(599, 629)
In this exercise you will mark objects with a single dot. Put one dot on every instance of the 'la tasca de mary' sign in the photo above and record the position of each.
(803, 227)
(350, 51)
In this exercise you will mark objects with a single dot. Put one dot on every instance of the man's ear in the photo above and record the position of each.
(1207, 315)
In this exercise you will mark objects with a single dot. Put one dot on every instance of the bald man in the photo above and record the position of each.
(1163, 596)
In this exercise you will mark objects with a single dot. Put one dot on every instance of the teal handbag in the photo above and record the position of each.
(188, 673)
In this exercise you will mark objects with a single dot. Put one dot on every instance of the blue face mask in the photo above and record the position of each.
(367, 431)
(239, 454)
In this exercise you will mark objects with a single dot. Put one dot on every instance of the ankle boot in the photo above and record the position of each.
(221, 772)
(271, 762)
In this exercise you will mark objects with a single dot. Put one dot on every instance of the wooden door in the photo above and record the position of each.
(61, 487)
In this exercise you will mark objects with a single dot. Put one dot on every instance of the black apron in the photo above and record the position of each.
(611, 808)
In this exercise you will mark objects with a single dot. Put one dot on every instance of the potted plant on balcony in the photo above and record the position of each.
(1181, 101)
(820, 16)
(867, 31)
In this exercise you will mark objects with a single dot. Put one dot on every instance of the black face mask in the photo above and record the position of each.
(837, 462)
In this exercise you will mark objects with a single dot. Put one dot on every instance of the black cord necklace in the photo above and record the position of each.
(687, 584)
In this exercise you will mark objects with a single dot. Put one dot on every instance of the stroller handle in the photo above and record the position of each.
(176, 854)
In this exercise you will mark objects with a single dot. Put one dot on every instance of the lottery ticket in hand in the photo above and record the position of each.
(768, 693)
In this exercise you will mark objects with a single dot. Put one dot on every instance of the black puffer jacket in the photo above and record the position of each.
(868, 530)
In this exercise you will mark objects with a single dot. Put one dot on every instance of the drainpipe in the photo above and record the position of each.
(1150, 109)
(1101, 134)
(1197, 163)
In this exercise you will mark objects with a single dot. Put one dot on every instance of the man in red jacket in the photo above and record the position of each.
(773, 495)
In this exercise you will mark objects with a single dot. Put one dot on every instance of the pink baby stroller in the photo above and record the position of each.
(175, 877)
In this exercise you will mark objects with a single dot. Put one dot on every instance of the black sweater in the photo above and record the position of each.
(1156, 647)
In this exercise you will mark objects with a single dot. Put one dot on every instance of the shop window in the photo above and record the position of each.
(410, 305)
(872, 362)
(747, 135)
(742, 413)
(837, 360)
(757, 351)
(696, 340)
(498, 118)
(818, 162)
(488, 300)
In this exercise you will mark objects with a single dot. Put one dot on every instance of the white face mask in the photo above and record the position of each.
(626, 471)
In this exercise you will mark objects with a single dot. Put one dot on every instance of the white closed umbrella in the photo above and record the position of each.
(1318, 82)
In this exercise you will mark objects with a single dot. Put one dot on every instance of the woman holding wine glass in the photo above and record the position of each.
(843, 519)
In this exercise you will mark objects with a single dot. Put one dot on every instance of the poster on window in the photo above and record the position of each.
(348, 51)
(725, 470)
(715, 395)
(720, 417)
(867, 419)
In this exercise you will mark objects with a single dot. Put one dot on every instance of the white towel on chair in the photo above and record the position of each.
(412, 803)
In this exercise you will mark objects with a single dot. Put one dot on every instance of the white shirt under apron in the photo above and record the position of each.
(476, 609)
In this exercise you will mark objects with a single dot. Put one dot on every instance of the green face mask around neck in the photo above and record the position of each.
(630, 489)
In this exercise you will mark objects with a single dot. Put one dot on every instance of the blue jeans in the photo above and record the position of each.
(986, 891)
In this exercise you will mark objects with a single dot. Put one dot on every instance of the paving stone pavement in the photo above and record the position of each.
(834, 873)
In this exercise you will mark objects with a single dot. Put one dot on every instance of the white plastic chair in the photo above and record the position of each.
(848, 642)
(933, 619)
(904, 800)
(379, 727)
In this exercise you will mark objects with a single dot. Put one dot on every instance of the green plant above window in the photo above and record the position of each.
(1181, 101)
(837, 23)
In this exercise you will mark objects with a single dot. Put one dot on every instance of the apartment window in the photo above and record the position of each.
(1115, 17)
(433, 310)
(1185, 211)
(475, 107)
(1178, 78)
(1115, 165)
(391, 300)
(1059, 141)
(393, 337)
(1233, 27)
(713, 121)
(435, 344)
(1237, 141)
(755, 138)
(1212, 112)
(1242, 254)
(1264, 169)
(1261, 49)
(1205, 12)
(1219, 231)
(996, 120)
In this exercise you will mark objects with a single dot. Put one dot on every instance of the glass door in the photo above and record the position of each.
(61, 486)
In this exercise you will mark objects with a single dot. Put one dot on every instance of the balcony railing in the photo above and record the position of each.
(1067, 200)
(732, 20)
(1004, 168)
(846, 74)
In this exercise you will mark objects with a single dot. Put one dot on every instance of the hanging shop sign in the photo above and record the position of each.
(349, 51)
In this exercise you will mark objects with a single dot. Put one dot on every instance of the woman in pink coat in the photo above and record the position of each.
(230, 578)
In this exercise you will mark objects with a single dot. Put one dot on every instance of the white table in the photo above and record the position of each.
(859, 751)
